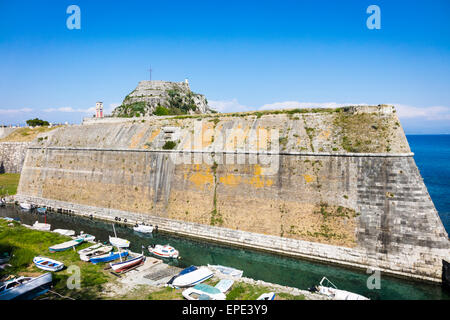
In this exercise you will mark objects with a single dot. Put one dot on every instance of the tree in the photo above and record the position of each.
(37, 122)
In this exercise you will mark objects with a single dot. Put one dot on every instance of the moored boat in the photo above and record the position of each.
(41, 210)
(267, 296)
(119, 242)
(48, 264)
(25, 287)
(86, 237)
(4, 257)
(128, 264)
(326, 287)
(108, 257)
(143, 228)
(41, 226)
(224, 285)
(65, 232)
(65, 245)
(86, 254)
(25, 206)
(164, 251)
(235, 273)
(203, 291)
(191, 276)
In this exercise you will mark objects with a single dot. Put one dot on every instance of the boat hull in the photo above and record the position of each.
(107, 258)
(125, 265)
(192, 278)
(66, 245)
(48, 264)
(29, 290)
(118, 242)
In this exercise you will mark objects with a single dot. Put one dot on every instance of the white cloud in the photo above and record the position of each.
(227, 105)
(70, 109)
(298, 104)
(426, 113)
(15, 111)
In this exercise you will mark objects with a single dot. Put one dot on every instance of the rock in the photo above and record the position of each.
(174, 97)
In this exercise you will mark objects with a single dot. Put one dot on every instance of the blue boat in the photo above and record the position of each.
(25, 288)
(41, 210)
(108, 257)
(48, 264)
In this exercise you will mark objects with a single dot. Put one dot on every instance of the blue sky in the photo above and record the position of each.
(243, 55)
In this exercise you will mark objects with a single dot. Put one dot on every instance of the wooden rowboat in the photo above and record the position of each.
(65, 245)
(48, 264)
(127, 264)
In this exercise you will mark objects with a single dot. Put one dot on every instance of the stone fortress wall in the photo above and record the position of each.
(331, 185)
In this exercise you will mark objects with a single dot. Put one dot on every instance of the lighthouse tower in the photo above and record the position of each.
(99, 110)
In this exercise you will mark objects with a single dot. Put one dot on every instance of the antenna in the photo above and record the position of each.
(150, 70)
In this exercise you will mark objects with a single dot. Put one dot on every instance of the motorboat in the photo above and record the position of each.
(163, 251)
(86, 237)
(65, 232)
(25, 206)
(203, 291)
(41, 210)
(48, 264)
(143, 228)
(87, 255)
(228, 271)
(25, 288)
(41, 226)
(326, 287)
(108, 257)
(267, 296)
(65, 245)
(128, 264)
(191, 276)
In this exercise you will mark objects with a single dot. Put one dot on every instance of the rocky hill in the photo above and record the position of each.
(162, 98)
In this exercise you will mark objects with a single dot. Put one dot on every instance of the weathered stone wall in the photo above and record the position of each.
(12, 156)
(300, 192)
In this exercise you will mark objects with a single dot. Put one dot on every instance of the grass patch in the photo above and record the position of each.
(24, 244)
(9, 183)
(244, 291)
(26, 134)
(166, 293)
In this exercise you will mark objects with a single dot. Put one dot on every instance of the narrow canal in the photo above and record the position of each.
(257, 265)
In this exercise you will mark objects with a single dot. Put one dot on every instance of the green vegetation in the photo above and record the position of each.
(8, 183)
(135, 109)
(37, 122)
(244, 291)
(161, 111)
(169, 145)
(24, 244)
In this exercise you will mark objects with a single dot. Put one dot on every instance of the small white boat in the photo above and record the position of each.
(267, 296)
(25, 205)
(119, 242)
(164, 251)
(90, 249)
(235, 273)
(326, 287)
(25, 287)
(48, 264)
(133, 261)
(86, 237)
(143, 228)
(4, 257)
(191, 276)
(65, 245)
(95, 252)
(41, 226)
(224, 285)
(203, 291)
(65, 232)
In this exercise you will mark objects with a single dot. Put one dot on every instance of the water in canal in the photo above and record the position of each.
(257, 265)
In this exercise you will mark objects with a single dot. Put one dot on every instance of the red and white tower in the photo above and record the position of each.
(99, 110)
